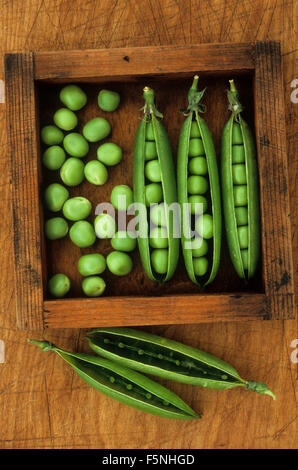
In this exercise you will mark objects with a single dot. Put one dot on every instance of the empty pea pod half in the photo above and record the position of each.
(240, 192)
(154, 186)
(198, 193)
(163, 357)
(123, 384)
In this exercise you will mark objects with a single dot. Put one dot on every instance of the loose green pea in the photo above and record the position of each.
(238, 154)
(240, 195)
(56, 228)
(76, 145)
(82, 234)
(96, 129)
(73, 97)
(96, 173)
(198, 166)
(244, 257)
(150, 151)
(149, 131)
(241, 214)
(109, 153)
(51, 135)
(119, 263)
(197, 184)
(199, 247)
(124, 241)
(152, 171)
(53, 157)
(239, 174)
(105, 226)
(204, 226)
(121, 197)
(196, 147)
(108, 100)
(72, 172)
(65, 119)
(55, 196)
(237, 134)
(93, 286)
(194, 207)
(159, 238)
(159, 260)
(158, 214)
(59, 285)
(200, 266)
(77, 208)
(89, 265)
(243, 236)
(153, 193)
(194, 130)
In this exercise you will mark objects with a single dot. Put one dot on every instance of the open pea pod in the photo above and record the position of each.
(123, 384)
(198, 186)
(240, 190)
(169, 359)
(151, 124)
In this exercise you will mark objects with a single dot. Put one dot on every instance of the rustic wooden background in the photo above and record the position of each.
(42, 403)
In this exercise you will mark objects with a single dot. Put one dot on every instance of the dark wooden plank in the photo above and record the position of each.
(273, 169)
(21, 127)
(136, 61)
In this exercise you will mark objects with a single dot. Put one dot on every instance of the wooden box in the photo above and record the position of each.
(33, 81)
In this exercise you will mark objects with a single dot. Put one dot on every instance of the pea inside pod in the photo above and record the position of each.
(239, 178)
(198, 193)
(123, 384)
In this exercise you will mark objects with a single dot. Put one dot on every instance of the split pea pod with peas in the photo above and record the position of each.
(124, 384)
(198, 193)
(240, 192)
(154, 182)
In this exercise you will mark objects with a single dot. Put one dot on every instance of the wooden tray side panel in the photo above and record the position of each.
(272, 159)
(21, 127)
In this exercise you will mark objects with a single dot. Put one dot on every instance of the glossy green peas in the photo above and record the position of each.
(77, 208)
(237, 134)
(124, 241)
(119, 263)
(59, 285)
(82, 234)
(158, 214)
(204, 226)
(238, 154)
(109, 153)
(194, 130)
(200, 266)
(89, 265)
(243, 236)
(198, 166)
(105, 226)
(76, 145)
(240, 195)
(153, 193)
(108, 100)
(53, 157)
(93, 286)
(241, 214)
(149, 132)
(244, 257)
(150, 150)
(152, 171)
(72, 172)
(199, 247)
(55, 196)
(121, 197)
(196, 147)
(96, 129)
(96, 173)
(159, 238)
(56, 228)
(73, 97)
(65, 119)
(194, 200)
(51, 135)
(197, 184)
(239, 174)
(159, 260)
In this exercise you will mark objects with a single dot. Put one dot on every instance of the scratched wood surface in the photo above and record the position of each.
(42, 403)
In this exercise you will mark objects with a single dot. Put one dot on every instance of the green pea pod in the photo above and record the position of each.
(245, 260)
(169, 359)
(168, 184)
(213, 194)
(122, 384)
